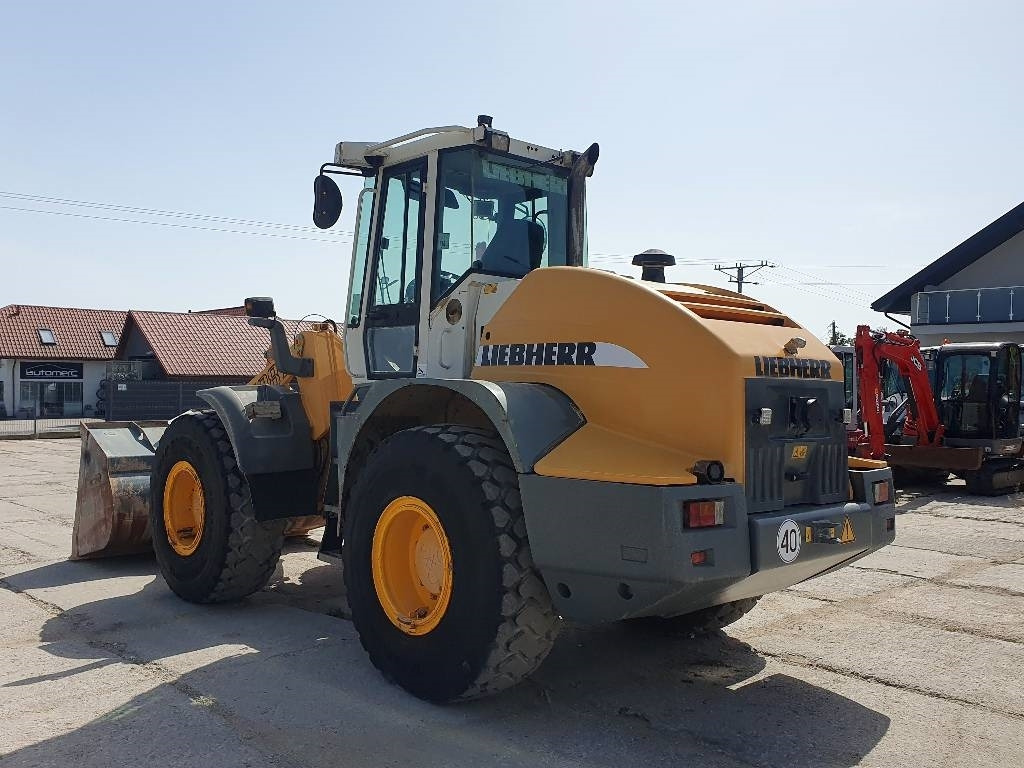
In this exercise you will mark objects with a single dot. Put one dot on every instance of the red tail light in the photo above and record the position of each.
(703, 514)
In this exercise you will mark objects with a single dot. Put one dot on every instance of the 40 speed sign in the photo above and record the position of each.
(787, 541)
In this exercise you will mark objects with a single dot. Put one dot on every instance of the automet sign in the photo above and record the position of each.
(51, 371)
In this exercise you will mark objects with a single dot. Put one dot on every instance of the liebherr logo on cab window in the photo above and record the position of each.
(599, 353)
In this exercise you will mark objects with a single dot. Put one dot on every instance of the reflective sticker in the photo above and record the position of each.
(847, 536)
(545, 181)
(799, 451)
(787, 541)
(597, 353)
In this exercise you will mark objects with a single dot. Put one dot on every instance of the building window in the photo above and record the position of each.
(46, 336)
(51, 399)
(109, 338)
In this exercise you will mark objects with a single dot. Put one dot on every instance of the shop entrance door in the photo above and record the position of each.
(50, 400)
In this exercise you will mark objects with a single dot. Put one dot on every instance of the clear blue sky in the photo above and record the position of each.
(851, 141)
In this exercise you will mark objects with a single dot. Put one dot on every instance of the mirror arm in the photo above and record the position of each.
(340, 170)
(285, 361)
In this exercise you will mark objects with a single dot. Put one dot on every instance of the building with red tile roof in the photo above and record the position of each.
(77, 334)
(197, 345)
(52, 359)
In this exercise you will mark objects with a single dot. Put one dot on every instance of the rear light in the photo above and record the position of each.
(703, 514)
(881, 492)
(703, 557)
(890, 524)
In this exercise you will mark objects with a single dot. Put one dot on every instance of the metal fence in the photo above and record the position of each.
(31, 428)
(153, 400)
(123, 401)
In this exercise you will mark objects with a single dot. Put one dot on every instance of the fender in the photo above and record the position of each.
(274, 453)
(531, 419)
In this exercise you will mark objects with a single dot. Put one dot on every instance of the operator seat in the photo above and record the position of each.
(516, 248)
(978, 393)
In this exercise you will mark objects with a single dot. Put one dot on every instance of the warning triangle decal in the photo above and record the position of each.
(847, 536)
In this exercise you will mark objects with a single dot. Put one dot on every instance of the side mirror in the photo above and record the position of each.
(326, 202)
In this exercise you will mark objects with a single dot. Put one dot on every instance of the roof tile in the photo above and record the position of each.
(77, 332)
(197, 345)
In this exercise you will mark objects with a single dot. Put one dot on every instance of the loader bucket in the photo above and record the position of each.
(112, 510)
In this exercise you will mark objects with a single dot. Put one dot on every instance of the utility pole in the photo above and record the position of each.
(742, 269)
(833, 337)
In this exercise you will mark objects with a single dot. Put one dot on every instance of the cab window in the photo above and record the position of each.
(497, 215)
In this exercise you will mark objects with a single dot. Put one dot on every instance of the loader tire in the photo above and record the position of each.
(497, 622)
(236, 554)
(704, 621)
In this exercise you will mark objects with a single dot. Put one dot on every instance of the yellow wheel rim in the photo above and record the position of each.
(412, 565)
(184, 508)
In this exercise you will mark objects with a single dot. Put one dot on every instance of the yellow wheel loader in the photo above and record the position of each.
(508, 438)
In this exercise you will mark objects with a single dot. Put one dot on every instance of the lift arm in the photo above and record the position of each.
(904, 351)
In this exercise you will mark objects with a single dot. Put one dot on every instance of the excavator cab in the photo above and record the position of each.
(978, 393)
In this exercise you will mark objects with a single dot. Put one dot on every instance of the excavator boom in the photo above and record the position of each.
(904, 351)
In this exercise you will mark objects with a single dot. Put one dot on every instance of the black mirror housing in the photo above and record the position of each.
(327, 202)
(259, 306)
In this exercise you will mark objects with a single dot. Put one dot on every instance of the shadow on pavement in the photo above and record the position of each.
(302, 692)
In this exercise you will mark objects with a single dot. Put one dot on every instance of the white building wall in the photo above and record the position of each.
(93, 372)
(8, 377)
(1001, 267)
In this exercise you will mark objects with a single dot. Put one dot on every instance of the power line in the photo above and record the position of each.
(171, 214)
(828, 294)
(823, 281)
(330, 241)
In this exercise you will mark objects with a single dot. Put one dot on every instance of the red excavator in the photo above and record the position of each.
(962, 411)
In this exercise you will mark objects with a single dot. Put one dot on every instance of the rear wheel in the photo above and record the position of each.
(208, 542)
(440, 580)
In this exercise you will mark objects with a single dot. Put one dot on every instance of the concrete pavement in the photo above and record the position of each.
(913, 657)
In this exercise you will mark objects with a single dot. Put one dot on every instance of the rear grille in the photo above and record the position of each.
(765, 468)
(714, 306)
(789, 462)
(832, 469)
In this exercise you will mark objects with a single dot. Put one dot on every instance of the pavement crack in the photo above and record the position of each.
(969, 518)
(808, 663)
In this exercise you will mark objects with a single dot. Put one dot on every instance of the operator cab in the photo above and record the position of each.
(977, 390)
(449, 215)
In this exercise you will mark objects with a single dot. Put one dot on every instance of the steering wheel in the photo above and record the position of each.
(445, 281)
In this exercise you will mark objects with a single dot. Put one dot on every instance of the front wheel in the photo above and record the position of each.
(441, 584)
(207, 540)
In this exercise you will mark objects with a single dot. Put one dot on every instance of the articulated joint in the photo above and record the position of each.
(285, 361)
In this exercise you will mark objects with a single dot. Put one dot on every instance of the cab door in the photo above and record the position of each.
(392, 309)
(1008, 394)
